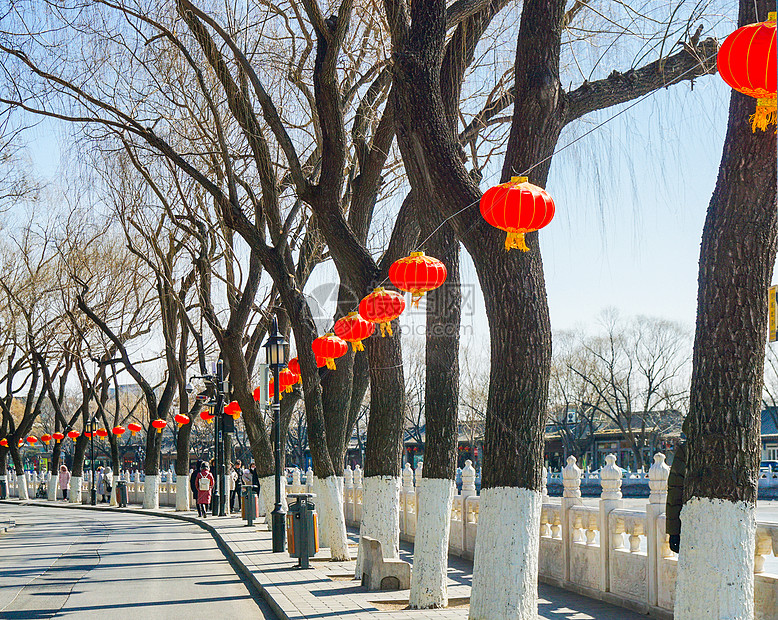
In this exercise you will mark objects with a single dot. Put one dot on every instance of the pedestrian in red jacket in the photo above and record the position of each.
(204, 484)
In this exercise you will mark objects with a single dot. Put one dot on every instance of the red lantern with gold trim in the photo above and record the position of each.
(233, 409)
(257, 394)
(746, 61)
(517, 207)
(4, 442)
(271, 386)
(32, 440)
(330, 347)
(417, 274)
(294, 366)
(134, 428)
(118, 430)
(74, 435)
(46, 439)
(207, 416)
(382, 307)
(101, 433)
(287, 379)
(159, 424)
(181, 419)
(58, 437)
(354, 329)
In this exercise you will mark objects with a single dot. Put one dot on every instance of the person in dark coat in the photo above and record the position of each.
(675, 493)
(193, 480)
(205, 483)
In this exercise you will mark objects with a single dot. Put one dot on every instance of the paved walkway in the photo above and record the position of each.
(328, 589)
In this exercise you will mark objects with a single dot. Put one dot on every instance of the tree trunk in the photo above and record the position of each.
(4, 470)
(737, 256)
(381, 511)
(441, 401)
(21, 478)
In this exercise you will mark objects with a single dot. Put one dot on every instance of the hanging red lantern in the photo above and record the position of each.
(330, 347)
(4, 442)
(159, 424)
(88, 435)
(746, 61)
(271, 388)
(233, 409)
(21, 442)
(32, 440)
(286, 378)
(74, 435)
(417, 274)
(181, 419)
(517, 207)
(382, 307)
(207, 416)
(101, 433)
(354, 329)
(294, 366)
(118, 430)
(257, 394)
(58, 437)
(46, 439)
(134, 428)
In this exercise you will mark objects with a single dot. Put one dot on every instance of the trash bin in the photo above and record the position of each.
(302, 531)
(3, 487)
(121, 493)
(249, 507)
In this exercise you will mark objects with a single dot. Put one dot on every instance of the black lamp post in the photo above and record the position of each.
(275, 348)
(92, 450)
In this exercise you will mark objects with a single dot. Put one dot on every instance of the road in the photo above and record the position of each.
(77, 564)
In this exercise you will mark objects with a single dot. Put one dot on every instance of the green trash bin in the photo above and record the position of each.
(121, 493)
(302, 533)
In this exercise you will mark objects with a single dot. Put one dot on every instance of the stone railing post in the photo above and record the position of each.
(405, 496)
(657, 482)
(357, 494)
(610, 478)
(309, 480)
(297, 479)
(348, 494)
(544, 484)
(571, 496)
(468, 480)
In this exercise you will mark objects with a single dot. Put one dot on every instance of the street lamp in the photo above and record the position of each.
(275, 349)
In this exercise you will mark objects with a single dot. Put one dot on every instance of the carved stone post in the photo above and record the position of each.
(571, 496)
(657, 482)
(610, 478)
(358, 494)
(406, 496)
(348, 494)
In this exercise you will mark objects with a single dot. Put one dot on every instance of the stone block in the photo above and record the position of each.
(379, 573)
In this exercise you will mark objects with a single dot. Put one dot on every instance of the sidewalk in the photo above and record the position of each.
(328, 589)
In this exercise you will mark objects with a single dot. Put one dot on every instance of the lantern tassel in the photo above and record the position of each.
(159, 430)
(357, 345)
(331, 363)
(515, 240)
(416, 298)
(386, 328)
(289, 388)
(765, 114)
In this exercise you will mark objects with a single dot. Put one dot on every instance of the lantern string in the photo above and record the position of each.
(535, 165)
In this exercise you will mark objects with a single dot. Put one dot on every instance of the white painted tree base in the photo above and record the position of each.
(505, 567)
(430, 549)
(113, 501)
(380, 516)
(267, 498)
(151, 492)
(183, 493)
(716, 563)
(332, 521)
(22, 483)
(51, 488)
(74, 495)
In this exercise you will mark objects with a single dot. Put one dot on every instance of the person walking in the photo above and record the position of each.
(100, 483)
(64, 480)
(193, 480)
(236, 476)
(107, 483)
(205, 484)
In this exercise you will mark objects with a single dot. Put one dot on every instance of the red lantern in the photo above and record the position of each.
(181, 419)
(21, 441)
(4, 442)
(207, 416)
(287, 379)
(134, 428)
(87, 435)
(32, 440)
(101, 433)
(257, 394)
(118, 430)
(746, 61)
(330, 347)
(233, 409)
(517, 207)
(159, 424)
(382, 307)
(271, 387)
(354, 329)
(58, 437)
(294, 366)
(46, 439)
(74, 435)
(417, 274)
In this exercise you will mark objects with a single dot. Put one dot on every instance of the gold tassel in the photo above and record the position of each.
(416, 298)
(288, 388)
(357, 345)
(389, 329)
(383, 329)
(764, 116)
(331, 363)
(515, 240)
(159, 430)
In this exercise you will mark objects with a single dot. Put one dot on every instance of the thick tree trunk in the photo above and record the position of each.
(21, 478)
(4, 469)
(716, 562)
(381, 496)
(441, 400)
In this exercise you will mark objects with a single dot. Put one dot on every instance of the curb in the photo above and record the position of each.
(232, 557)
